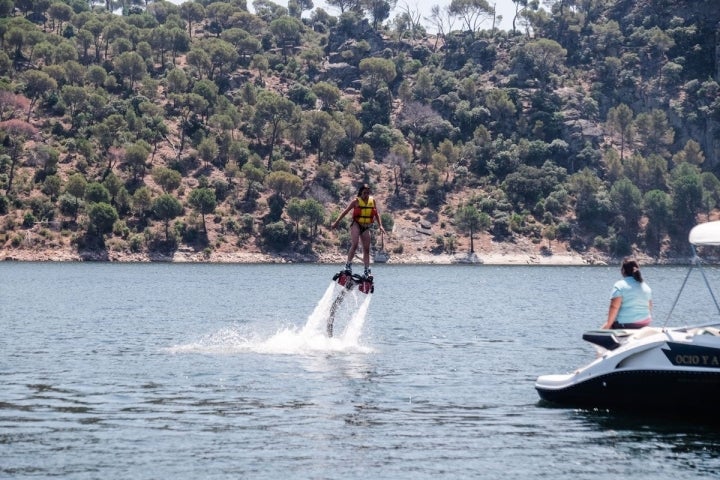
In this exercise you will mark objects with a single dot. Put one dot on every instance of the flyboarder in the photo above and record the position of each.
(365, 213)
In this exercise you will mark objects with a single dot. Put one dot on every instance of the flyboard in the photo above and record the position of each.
(349, 281)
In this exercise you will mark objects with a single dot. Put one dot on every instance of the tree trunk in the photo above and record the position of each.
(11, 175)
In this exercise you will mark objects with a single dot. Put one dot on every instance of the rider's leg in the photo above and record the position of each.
(365, 237)
(354, 239)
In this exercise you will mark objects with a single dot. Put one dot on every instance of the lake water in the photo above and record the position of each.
(184, 371)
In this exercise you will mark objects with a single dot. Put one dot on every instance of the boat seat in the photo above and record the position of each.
(607, 339)
(612, 339)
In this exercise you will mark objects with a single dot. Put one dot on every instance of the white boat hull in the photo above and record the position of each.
(653, 369)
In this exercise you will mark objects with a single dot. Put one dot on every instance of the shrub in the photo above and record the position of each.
(248, 222)
(387, 221)
(121, 229)
(232, 226)
(29, 220)
(277, 235)
(564, 230)
(17, 240)
(451, 244)
(136, 243)
(42, 208)
(601, 243)
(102, 217)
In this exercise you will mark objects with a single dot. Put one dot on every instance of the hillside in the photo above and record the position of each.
(203, 132)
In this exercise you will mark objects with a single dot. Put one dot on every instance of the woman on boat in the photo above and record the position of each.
(630, 300)
(365, 213)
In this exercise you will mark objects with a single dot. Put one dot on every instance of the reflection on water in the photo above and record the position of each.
(686, 441)
(653, 423)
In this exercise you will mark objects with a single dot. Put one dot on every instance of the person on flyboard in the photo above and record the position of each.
(364, 214)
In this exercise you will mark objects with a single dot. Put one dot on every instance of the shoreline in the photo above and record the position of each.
(499, 257)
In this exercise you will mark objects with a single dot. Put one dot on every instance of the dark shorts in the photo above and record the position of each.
(640, 324)
(362, 228)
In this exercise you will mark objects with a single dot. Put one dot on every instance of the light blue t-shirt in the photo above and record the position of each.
(636, 298)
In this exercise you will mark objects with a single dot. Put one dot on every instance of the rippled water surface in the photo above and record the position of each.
(150, 371)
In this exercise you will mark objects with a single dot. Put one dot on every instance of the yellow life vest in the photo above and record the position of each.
(364, 213)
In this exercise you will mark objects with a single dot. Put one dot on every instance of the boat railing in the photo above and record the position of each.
(695, 261)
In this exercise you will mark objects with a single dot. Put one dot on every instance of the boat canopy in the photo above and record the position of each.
(705, 234)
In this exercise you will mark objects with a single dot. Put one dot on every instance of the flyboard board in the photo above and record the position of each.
(348, 280)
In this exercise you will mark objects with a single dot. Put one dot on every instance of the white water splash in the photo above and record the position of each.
(308, 340)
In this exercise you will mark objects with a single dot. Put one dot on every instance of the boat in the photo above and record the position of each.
(652, 368)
